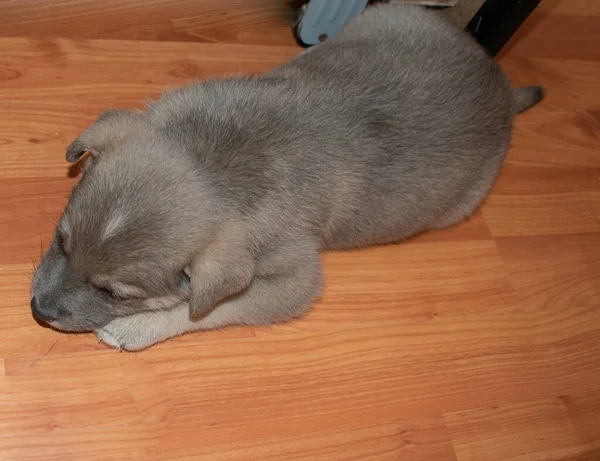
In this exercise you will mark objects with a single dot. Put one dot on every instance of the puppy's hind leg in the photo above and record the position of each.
(283, 293)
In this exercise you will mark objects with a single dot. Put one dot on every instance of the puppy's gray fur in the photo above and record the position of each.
(210, 208)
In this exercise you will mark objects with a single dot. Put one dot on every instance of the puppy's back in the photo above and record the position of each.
(370, 137)
(410, 109)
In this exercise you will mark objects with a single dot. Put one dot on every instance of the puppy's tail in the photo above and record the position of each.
(527, 97)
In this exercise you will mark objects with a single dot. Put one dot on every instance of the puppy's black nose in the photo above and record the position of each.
(40, 314)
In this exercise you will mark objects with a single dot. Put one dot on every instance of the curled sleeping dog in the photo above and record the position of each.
(210, 207)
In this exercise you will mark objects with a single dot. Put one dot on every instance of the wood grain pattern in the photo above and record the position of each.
(560, 30)
(477, 343)
(533, 423)
(248, 21)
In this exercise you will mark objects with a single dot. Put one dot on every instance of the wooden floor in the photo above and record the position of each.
(480, 343)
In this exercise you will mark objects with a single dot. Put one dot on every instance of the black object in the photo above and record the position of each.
(492, 26)
(497, 20)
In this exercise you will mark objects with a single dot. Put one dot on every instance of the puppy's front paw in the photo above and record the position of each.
(126, 334)
(107, 338)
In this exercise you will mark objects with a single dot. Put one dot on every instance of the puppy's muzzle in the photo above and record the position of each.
(41, 313)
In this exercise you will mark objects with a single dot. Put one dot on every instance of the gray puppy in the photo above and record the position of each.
(210, 208)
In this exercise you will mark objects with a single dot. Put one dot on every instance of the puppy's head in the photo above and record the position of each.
(127, 236)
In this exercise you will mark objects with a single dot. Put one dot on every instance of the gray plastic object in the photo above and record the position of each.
(323, 19)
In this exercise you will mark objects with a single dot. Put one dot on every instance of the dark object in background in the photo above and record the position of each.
(497, 21)
(493, 25)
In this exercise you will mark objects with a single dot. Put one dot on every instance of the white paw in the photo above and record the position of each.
(142, 330)
(107, 338)
(126, 334)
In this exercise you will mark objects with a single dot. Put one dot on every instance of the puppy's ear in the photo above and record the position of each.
(224, 269)
(110, 128)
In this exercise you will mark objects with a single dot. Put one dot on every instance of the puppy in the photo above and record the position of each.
(210, 208)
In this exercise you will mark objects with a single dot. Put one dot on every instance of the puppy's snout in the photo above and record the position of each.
(39, 313)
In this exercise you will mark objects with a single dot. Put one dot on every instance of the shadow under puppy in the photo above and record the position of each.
(210, 208)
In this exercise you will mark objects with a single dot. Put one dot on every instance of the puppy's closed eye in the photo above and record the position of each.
(62, 236)
(118, 290)
(107, 291)
(185, 279)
